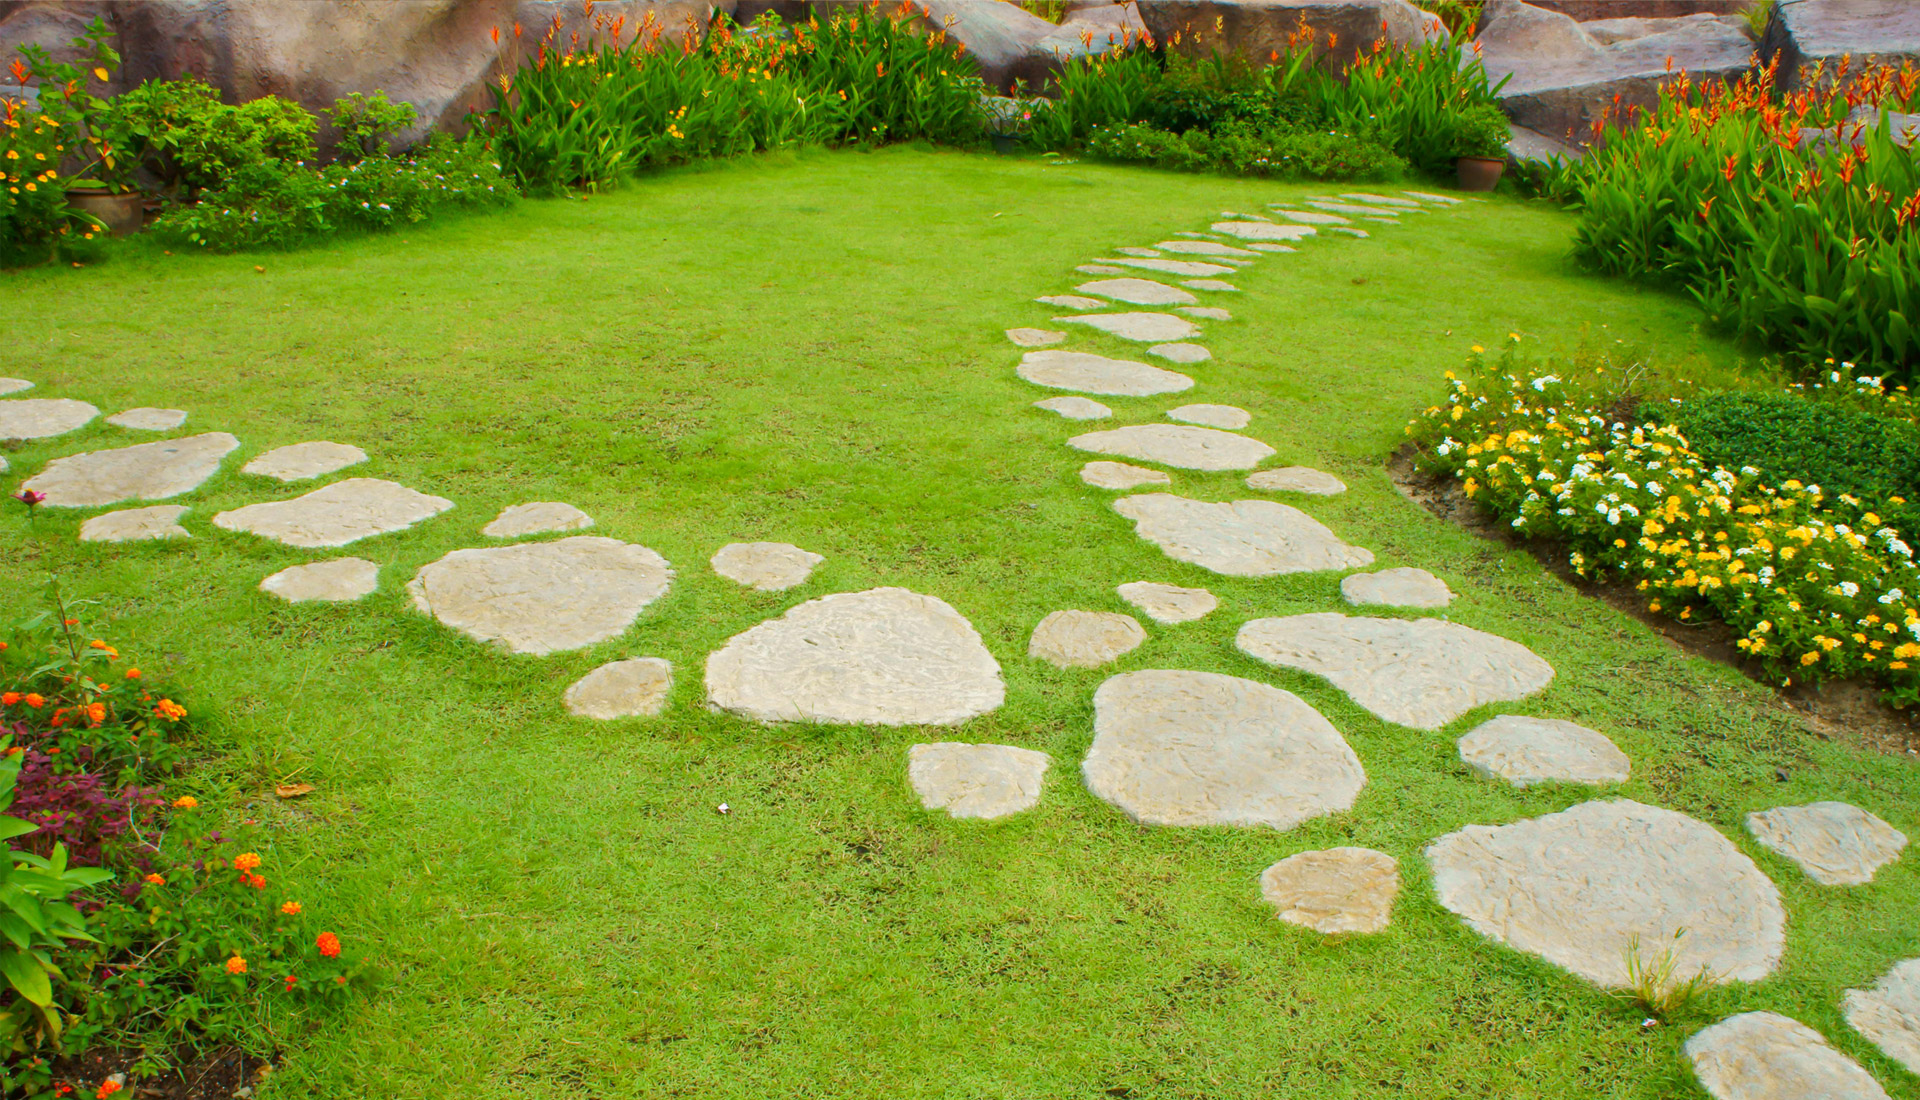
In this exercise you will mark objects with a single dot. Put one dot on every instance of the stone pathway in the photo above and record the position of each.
(305, 461)
(1262, 231)
(14, 385)
(765, 566)
(542, 597)
(1119, 475)
(1207, 313)
(1297, 479)
(1191, 268)
(160, 522)
(43, 417)
(1035, 337)
(633, 688)
(1226, 417)
(1084, 639)
(149, 420)
(1889, 1013)
(1210, 284)
(1402, 587)
(1169, 603)
(976, 781)
(1834, 843)
(1071, 301)
(1139, 292)
(1206, 248)
(1333, 891)
(341, 580)
(1310, 217)
(145, 471)
(1181, 353)
(1075, 408)
(1766, 1056)
(1525, 751)
(1144, 328)
(1244, 538)
(1087, 373)
(536, 518)
(1179, 446)
(337, 514)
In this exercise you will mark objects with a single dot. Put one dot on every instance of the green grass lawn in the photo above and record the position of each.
(809, 349)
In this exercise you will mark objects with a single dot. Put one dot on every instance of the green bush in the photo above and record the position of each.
(190, 138)
(366, 123)
(1240, 150)
(1481, 131)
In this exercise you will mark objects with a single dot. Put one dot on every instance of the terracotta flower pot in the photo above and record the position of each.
(121, 214)
(1479, 173)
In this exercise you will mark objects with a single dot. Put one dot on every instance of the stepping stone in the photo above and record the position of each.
(1212, 416)
(1140, 292)
(1079, 370)
(1205, 248)
(1349, 231)
(1210, 284)
(43, 417)
(1297, 479)
(1422, 673)
(1402, 587)
(1206, 313)
(338, 514)
(1430, 197)
(1035, 337)
(1181, 353)
(1766, 1056)
(149, 420)
(303, 461)
(14, 385)
(1244, 538)
(1372, 199)
(1261, 231)
(976, 781)
(1250, 217)
(1084, 639)
(1312, 217)
(621, 689)
(1381, 220)
(765, 566)
(1119, 475)
(1168, 603)
(1075, 408)
(1580, 887)
(1274, 247)
(1335, 890)
(1101, 269)
(542, 597)
(1147, 328)
(144, 471)
(162, 521)
(1198, 748)
(341, 580)
(1834, 843)
(1170, 267)
(1889, 1013)
(1175, 445)
(1525, 751)
(536, 518)
(883, 657)
(1349, 208)
(1135, 250)
(1071, 301)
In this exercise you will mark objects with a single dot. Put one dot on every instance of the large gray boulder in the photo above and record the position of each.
(1254, 29)
(1803, 32)
(1585, 10)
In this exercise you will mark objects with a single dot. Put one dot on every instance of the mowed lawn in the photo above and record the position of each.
(809, 349)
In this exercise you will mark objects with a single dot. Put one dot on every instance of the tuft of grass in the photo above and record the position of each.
(1755, 17)
(1653, 981)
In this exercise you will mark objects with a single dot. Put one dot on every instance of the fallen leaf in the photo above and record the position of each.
(292, 790)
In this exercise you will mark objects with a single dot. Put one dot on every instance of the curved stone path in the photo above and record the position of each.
(541, 597)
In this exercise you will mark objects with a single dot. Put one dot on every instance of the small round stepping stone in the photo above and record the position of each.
(1836, 844)
(976, 781)
(1350, 231)
(1198, 268)
(1297, 479)
(1088, 373)
(1206, 313)
(1198, 748)
(1169, 603)
(1229, 417)
(338, 514)
(1210, 284)
(542, 597)
(1766, 1056)
(1260, 231)
(1372, 199)
(1071, 301)
(1100, 269)
(1186, 448)
(1135, 250)
(1139, 292)
(537, 517)
(1204, 248)
(1525, 751)
(1335, 890)
(1312, 217)
(621, 689)
(765, 566)
(1263, 247)
(1035, 337)
(341, 580)
(1146, 328)
(1578, 888)
(303, 461)
(883, 657)
(1402, 587)
(1437, 200)
(144, 471)
(1889, 1013)
(1243, 538)
(149, 420)
(1422, 673)
(14, 385)
(1181, 353)
(162, 521)
(43, 417)
(1075, 408)
(1119, 475)
(1084, 639)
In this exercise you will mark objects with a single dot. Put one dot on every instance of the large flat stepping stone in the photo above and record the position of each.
(1088, 373)
(1187, 448)
(1101, 269)
(883, 657)
(1169, 603)
(1766, 1056)
(542, 597)
(1525, 751)
(335, 515)
(341, 580)
(303, 461)
(1035, 337)
(1207, 313)
(14, 385)
(1084, 639)
(1135, 250)
(1402, 587)
(1139, 292)
(1070, 301)
(1075, 408)
(1119, 475)
(149, 420)
(1206, 248)
(43, 417)
(1350, 231)
(1352, 209)
(1244, 538)
(1214, 285)
(160, 522)
(536, 518)
(1430, 197)
(1145, 328)
(1889, 1013)
(976, 781)
(1581, 887)
(1311, 217)
(1198, 268)
(1836, 844)
(1267, 247)
(1259, 231)
(765, 566)
(1297, 479)
(1335, 890)
(1198, 748)
(1372, 199)
(1180, 352)
(621, 689)
(1229, 417)
(144, 471)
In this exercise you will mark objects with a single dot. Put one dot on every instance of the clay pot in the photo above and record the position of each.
(1479, 173)
(121, 214)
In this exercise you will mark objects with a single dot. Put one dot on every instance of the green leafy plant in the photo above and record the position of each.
(1653, 983)
(1755, 17)
(194, 141)
(366, 123)
(1239, 149)
(1097, 90)
(1481, 131)
(1415, 100)
(46, 148)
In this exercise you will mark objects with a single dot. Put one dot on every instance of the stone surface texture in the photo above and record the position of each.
(1205, 248)
(1803, 32)
(1139, 292)
(1207, 313)
(1190, 268)
(542, 597)
(1084, 639)
(1070, 301)
(1402, 587)
(1263, 231)
(1889, 1013)
(1311, 217)
(1087, 373)
(1243, 538)
(536, 518)
(337, 514)
(43, 417)
(1075, 408)
(976, 781)
(1835, 843)
(14, 385)
(144, 471)
(1228, 417)
(633, 688)
(765, 566)
(1210, 284)
(1766, 1056)
(1334, 890)
(1144, 328)
(162, 521)
(1169, 603)
(1180, 353)
(149, 420)
(1187, 448)
(1119, 475)
(1297, 479)
(341, 580)
(303, 461)
(1525, 751)
(1035, 337)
